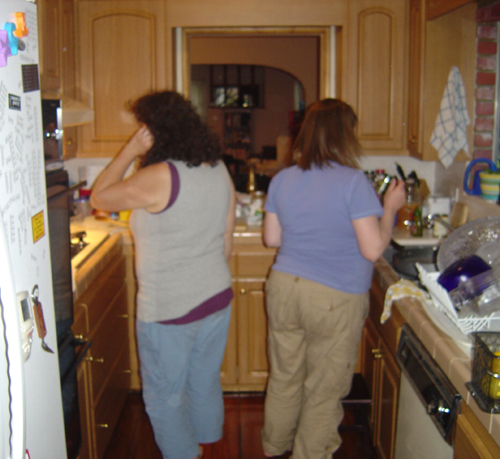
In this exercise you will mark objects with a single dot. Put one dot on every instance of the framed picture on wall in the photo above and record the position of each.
(232, 96)
(219, 96)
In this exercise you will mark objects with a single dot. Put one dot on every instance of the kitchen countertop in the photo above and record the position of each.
(95, 263)
(452, 359)
(87, 271)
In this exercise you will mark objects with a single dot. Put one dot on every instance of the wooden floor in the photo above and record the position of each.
(133, 438)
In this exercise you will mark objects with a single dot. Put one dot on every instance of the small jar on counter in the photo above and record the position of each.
(438, 229)
(495, 381)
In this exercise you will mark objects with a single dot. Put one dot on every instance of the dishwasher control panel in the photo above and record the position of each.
(437, 394)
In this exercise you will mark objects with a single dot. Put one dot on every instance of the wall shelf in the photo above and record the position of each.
(236, 86)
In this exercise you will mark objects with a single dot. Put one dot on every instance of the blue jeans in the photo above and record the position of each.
(180, 371)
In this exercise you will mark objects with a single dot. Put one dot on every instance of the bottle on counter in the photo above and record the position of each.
(251, 179)
(379, 177)
(417, 229)
(406, 215)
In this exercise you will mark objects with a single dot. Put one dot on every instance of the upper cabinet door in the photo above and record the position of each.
(122, 56)
(429, 70)
(376, 34)
(49, 12)
(67, 31)
(435, 8)
(415, 76)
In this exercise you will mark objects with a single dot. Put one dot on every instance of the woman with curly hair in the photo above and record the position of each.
(182, 223)
(330, 227)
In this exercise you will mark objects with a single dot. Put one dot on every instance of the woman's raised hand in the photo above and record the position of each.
(139, 143)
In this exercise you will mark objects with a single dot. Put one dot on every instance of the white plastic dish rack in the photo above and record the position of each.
(442, 302)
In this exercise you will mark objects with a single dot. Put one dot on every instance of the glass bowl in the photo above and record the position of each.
(479, 237)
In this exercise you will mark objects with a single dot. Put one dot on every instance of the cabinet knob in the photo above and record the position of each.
(91, 359)
(80, 337)
(102, 426)
(413, 139)
(243, 291)
(377, 353)
(123, 316)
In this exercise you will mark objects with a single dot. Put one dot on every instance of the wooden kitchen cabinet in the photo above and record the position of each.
(122, 49)
(49, 14)
(57, 66)
(435, 8)
(429, 68)
(376, 34)
(472, 441)
(252, 334)
(56, 21)
(245, 366)
(382, 376)
(83, 380)
(380, 370)
(104, 375)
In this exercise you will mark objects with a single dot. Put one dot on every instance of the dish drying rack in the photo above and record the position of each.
(443, 303)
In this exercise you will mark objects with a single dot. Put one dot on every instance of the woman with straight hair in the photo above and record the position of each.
(330, 227)
(182, 223)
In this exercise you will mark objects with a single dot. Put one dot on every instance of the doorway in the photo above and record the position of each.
(306, 54)
(284, 48)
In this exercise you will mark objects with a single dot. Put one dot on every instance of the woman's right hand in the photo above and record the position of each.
(395, 196)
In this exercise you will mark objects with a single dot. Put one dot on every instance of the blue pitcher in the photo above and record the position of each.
(476, 187)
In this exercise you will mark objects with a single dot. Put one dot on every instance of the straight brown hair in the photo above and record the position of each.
(327, 134)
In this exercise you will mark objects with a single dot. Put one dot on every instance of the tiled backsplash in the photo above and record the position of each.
(448, 179)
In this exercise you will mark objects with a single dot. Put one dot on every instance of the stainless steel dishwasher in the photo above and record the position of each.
(428, 403)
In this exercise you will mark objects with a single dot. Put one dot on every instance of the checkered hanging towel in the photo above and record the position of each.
(450, 135)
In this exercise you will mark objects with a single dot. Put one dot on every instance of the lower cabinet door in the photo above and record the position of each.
(109, 336)
(370, 354)
(108, 408)
(85, 411)
(472, 440)
(387, 406)
(253, 365)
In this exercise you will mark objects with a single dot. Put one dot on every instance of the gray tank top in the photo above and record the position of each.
(179, 253)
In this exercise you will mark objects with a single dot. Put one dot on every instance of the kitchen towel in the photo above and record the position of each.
(450, 135)
(401, 289)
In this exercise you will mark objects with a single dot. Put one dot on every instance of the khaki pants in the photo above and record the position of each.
(314, 334)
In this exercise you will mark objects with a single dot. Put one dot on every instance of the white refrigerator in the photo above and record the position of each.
(31, 421)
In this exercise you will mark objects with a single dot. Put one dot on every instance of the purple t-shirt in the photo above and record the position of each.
(315, 209)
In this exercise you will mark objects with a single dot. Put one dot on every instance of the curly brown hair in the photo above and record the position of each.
(178, 131)
(327, 134)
